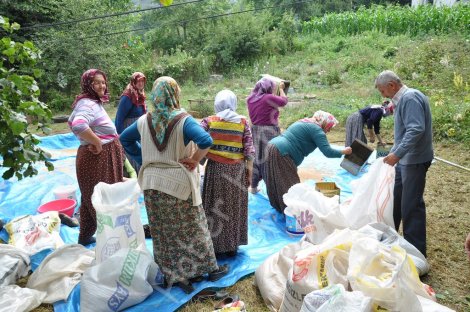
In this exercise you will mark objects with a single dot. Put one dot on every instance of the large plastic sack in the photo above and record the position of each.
(35, 233)
(72, 261)
(122, 280)
(317, 214)
(335, 298)
(16, 299)
(372, 197)
(389, 237)
(387, 275)
(271, 275)
(118, 218)
(14, 264)
(319, 266)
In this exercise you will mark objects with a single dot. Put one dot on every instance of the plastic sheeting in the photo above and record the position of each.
(267, 233)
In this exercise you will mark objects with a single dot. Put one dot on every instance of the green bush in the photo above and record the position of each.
(19, 102)
(181, 65)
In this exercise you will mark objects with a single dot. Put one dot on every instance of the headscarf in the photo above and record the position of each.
(262, 87)
(137, 96)
(165, 99)
(86, 84)
(389, 108)
(225, 106)
(324, 120)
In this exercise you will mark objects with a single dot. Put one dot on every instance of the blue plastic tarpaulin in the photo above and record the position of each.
(267, 233)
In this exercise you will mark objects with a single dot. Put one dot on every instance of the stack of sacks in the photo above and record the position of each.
(358, 262)
(319, 216)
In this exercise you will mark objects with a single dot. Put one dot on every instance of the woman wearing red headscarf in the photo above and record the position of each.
(131, 107)
(100, 155)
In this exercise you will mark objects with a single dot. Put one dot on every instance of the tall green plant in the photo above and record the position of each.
(394, 20)
(19, 94)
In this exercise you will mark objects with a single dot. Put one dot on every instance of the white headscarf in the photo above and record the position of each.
(225, 106)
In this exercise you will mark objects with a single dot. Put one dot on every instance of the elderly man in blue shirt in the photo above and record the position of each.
(412, 154)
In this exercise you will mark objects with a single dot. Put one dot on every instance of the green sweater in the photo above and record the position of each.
(302, 138)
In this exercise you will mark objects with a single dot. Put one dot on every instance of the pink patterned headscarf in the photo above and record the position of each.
(324, 120)
(137, 96)
(86, 83)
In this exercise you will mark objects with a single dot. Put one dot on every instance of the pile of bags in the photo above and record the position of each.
(351, 258)
(117, 274)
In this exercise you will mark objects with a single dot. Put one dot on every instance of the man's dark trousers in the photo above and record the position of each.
(408, 203)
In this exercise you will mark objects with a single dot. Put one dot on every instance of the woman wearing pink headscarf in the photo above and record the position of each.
(287, 151)
(100, 155)
(263, 107)
(131, 107)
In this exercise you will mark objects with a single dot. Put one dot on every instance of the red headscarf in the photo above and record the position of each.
(86, 84)
(137, 96)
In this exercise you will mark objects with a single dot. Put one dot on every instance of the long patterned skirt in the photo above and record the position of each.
(281, 174)
(182, 244)
(355, 129)
(261, 136)
(127, 122)
(92, 169)
(225, 201)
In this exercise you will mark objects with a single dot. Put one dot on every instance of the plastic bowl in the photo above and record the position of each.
(65, 206)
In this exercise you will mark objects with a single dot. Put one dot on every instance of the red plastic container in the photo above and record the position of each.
(65, 206)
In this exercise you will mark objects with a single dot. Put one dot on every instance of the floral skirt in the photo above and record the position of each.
(182, 245)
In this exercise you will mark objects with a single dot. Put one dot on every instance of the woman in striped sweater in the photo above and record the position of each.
(100, 155)
(228, 174)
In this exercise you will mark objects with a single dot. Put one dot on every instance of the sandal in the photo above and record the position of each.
(186, 286)
(196, 279)
(219, 273)
(228, 302)
(210, 294)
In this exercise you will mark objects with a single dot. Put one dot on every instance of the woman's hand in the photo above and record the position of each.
(347, 151)
(189, 163)
(95, 148)
(282, 86)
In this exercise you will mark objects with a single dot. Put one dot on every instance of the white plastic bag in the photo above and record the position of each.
(16, 299)
(317, 214)
(35, 233)
(387, 275)
(372, 197)
(271, 275)
(335, 298)
(118, 218)
(317, 267)
(61, 271)
(122, 280)
(389, 237)
(14, 264)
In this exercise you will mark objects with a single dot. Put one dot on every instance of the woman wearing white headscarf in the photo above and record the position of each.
(228, 174)
(287, 151)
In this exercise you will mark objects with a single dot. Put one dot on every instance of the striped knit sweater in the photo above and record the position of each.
(90, 114)
(161, 171)
(231, 143)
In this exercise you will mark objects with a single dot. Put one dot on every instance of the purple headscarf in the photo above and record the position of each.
(262, 87)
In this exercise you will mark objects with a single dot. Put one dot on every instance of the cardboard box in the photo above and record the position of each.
(360, 153)
(329, 189)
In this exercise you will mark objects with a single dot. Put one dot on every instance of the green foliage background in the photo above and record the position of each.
(332, 49)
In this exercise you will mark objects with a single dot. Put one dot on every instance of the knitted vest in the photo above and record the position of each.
(161, 171)
(228, 140)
